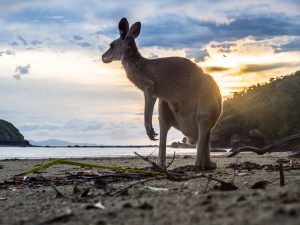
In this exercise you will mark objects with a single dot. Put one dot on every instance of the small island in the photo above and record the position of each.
(11, 136)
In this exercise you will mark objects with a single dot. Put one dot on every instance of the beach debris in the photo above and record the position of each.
(245, 166)
(249, 166)
(267, 149)
(1, 166)
(58, 193)
(295, 155)
(242, 174)
(156, 188)
(97, 205)
(79, 194)
(283, 160)
(64, 217)
(100, 183)
(221, 185)
(124, 191)
(75, 163)
(225, 186)
(260, 184)
(3, 198)
(281, 174)
(170, 163)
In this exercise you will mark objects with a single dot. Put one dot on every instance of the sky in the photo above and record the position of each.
(53, 83)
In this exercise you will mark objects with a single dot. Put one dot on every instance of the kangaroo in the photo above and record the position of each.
(189, 99)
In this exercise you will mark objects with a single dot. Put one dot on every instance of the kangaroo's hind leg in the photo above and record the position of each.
(166, 120)
(203, 152)
(213, 165)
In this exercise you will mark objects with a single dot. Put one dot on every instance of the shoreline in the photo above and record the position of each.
(154, 202)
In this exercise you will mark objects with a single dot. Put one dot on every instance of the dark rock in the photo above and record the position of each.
(10, 135)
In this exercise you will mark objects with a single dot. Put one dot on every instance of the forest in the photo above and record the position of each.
(261, 113)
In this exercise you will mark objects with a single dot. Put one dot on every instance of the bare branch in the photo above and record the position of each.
(267, 149)
(171, 161)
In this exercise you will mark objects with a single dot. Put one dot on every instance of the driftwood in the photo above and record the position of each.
(225, 186)
(295, 155)
(268, 148)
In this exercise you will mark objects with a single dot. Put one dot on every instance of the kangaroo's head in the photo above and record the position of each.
(124, 44)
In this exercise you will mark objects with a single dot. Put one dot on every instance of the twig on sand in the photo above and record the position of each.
(182, 177)
(281, 174)
(157, 167)
(267, 149)
(59, 194)
(170, 163)
(207, 183)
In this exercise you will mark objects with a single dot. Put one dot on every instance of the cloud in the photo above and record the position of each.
(23, 41)
(7, 52)
(36, 42)
(56, 17)
(226, 47)
(169, 29)
(211, 69)
(84, 44)
(77, 37)
(179, 31)
(78, 40)
(293, 45)
(13, 43)
(21, 71)
(250, 68)
(199, 55)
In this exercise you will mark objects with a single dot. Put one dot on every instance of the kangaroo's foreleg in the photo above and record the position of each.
(166, 120)
(149, 106)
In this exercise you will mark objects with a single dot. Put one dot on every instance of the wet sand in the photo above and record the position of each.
(190, 202)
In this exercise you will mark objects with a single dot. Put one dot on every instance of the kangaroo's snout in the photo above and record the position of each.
(105, 59)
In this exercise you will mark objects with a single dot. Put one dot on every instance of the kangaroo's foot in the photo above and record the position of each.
(206, 166)
(161, 164)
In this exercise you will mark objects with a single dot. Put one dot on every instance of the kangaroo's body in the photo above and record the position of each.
(189, 100)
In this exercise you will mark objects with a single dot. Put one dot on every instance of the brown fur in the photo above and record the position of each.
(189, 100)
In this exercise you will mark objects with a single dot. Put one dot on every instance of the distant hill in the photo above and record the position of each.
(57, 142)
(269, 110)
(10, 135)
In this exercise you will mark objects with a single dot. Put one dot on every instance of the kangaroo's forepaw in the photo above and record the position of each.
(152, 135)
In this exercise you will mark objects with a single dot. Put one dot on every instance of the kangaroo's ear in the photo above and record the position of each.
(123, 27)
(135, 30)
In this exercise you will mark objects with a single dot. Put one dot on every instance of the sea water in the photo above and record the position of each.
(85, 152)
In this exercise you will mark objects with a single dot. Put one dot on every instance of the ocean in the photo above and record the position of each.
(84, 152)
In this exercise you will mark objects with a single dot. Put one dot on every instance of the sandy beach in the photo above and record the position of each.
(84, 195)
